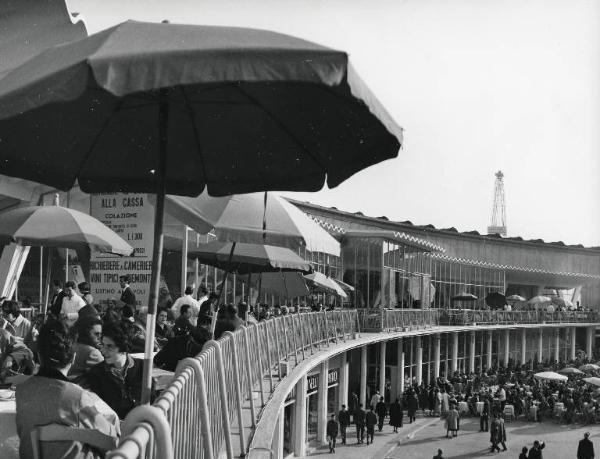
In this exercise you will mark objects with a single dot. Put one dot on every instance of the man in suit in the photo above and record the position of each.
(127, 295)
(585, 450)
(370, 421)
(344, 420)
(359, 420)
(381, 410)
(485, 415)
(332, 432)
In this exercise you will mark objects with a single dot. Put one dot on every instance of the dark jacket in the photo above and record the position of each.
(121, 390)
(536, 453)
(344, 418)
(359, 417)
(585, 450)
(332, 428)
(381, 409)
(176, 349)
(128, 297)
(396, 414)
(370, 419)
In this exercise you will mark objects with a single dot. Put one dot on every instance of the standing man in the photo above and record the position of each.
(332, 433)
(57, 297)
(381, 410)
(396, 415)
(188, 299)
(374, 400)
(344, 419)
(359, 420)
(370, 421)
(484, 419)
(202, 295)
(71, 304)
(502, 432)
(585, 450)
(127, 295)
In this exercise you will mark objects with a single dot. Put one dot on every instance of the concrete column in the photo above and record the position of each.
(322, 403)
(589, 341)
(343, 385)
(363, 376)
(506, 346)
(557, 344)
(382, 347)
(523, 346)
(573, 342)
(436, 356)
(401, 373)
(419, 362)
(300, 418)
(488, 356)
(278, 437)
(540, 345)
(454, 365)
(472, 340)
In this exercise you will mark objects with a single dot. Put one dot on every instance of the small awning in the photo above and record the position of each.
(421, 245)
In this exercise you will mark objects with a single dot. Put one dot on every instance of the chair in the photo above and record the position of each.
(509, 412)
(59, 432)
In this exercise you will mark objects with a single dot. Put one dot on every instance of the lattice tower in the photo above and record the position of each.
(498, 225)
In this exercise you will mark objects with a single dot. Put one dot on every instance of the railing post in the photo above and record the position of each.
(278, 348)
(302, 335)
(326, 327)
(269, 361)
(310, 335)
(205, 430)
(319, 335)
(249, 375)
(260, 374)
(223, 399)
(295, 341)
(286, 337)
(238, 390)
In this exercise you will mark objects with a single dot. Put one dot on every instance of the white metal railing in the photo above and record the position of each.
(195, 416)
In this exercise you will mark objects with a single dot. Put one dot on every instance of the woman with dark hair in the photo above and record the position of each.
(12, 313)
(50, 398)
(118, 379)
(87, 347)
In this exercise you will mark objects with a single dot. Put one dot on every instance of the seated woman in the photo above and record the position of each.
(15, 357)
(50, 398)
(163, 330)
(12, 313)
(117, 380)
(87, 347)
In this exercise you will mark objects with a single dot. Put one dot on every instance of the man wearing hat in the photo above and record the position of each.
(585, 450)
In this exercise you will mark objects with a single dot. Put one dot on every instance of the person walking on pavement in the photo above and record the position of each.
(396, 415)
(381, 410)
(439, 455)
(374, 400)
(495, 434)
(502, 432)
(536, 451)
(452, 422)
(370, 420)
(344, 420)
(332, 433)
(484, 419)
(413, 406)
(585, 450)
(359, 420)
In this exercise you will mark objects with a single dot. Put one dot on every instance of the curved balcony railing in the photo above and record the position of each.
(476, 317)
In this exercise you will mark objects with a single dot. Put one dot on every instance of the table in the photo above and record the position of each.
(463, 407)
(9, 440)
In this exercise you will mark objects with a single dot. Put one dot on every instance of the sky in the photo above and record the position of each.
(478, 86)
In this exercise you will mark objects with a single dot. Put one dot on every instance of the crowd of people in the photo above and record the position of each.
(490, 395)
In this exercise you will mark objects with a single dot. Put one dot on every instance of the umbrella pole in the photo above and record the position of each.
(157, 250)
(48, 274)
(213, 322)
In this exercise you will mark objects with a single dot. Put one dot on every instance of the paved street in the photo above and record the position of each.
(423, 438)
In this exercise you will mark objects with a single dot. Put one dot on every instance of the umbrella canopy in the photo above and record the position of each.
(56, 226)
(495, 300)
(539, 300)
(570, 371)
(550, 376)
(589, 367)
(345, 287)
(515, 298)
(322, 283)
(464, 296)
(563, 302)
(165, 108)
(249, 258)
(241, 218)
(594, 381)
(284, 284)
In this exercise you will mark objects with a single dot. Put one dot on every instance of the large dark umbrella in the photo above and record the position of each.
(165, 108)
(495, 300)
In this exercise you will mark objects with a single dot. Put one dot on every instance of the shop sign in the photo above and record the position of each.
(312, 382)
(333, 377)
(131, 216)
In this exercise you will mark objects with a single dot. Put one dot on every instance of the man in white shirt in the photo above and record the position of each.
(71, 304)
(187, 298)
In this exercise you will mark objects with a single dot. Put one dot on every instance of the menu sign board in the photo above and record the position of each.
(131, 216)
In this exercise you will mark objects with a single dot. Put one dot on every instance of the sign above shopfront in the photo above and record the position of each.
(312, 383)
(333, 377)
(131, 216)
